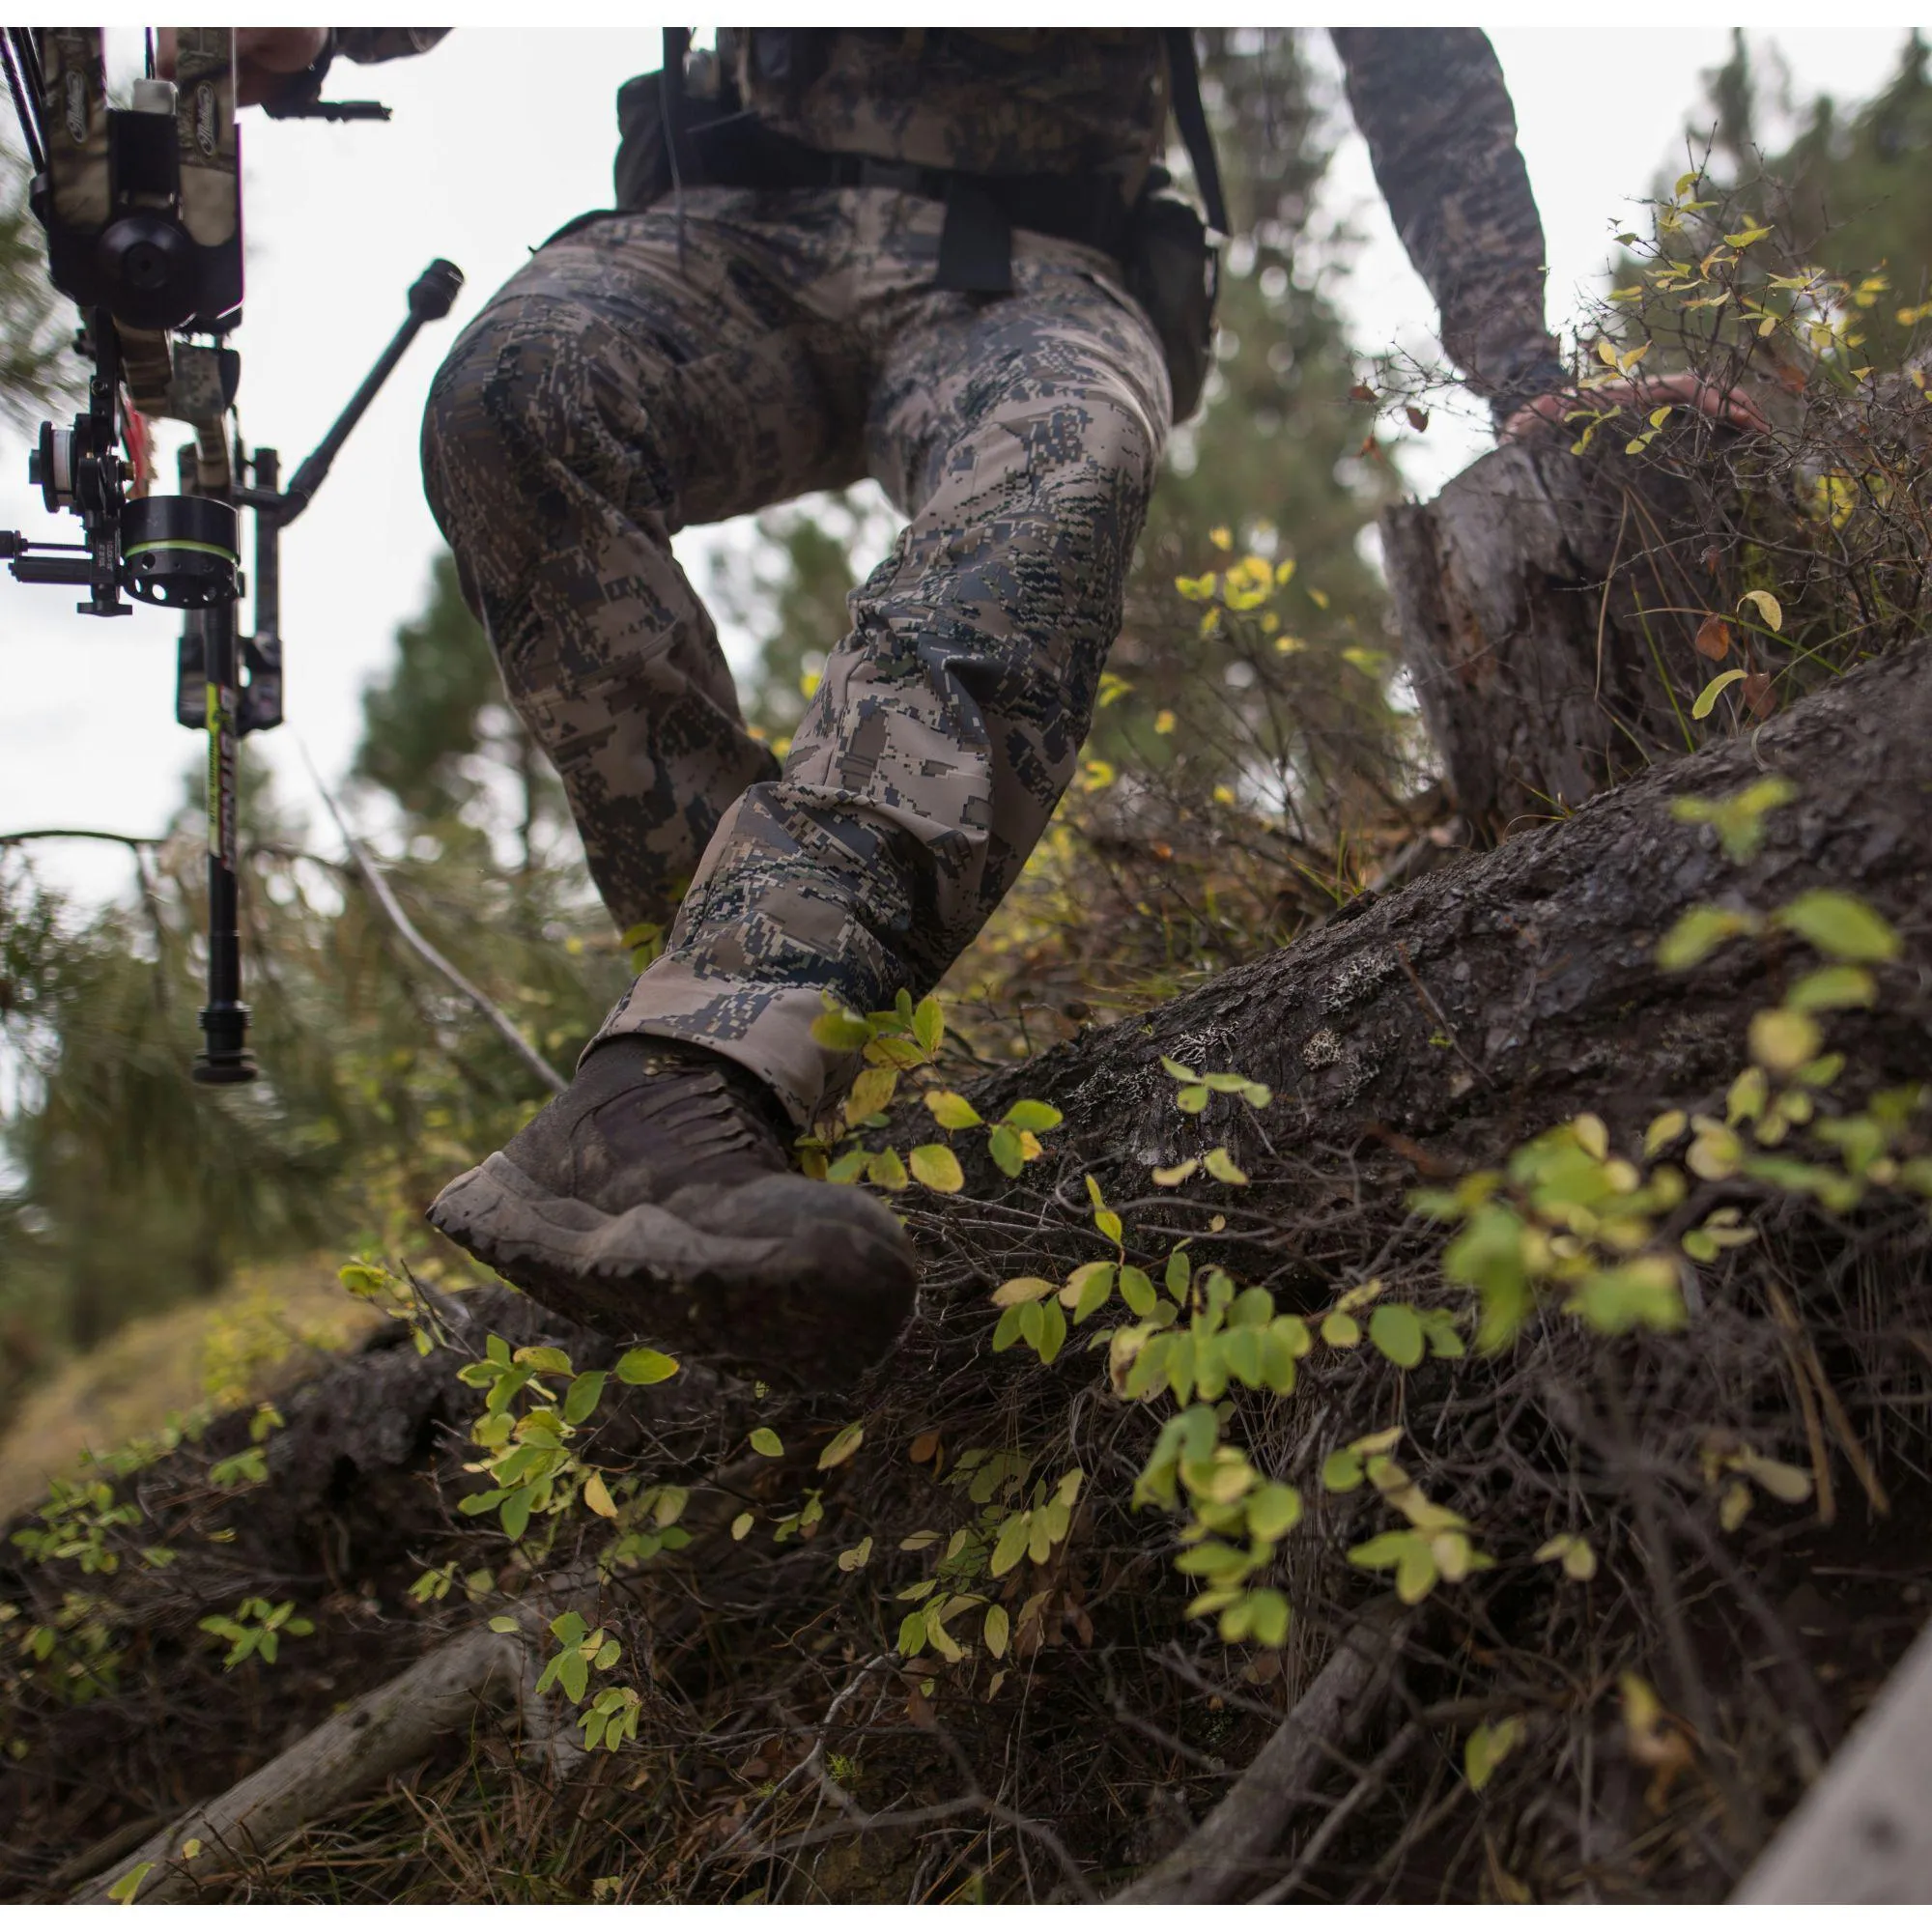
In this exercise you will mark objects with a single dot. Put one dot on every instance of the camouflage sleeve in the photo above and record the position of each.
(1432, 104)
(363, 45)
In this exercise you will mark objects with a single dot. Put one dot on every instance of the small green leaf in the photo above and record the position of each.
(843, 1446)
(641, 1367)
(1707, 698)
(1191, 1100)
(871, 1092)
(1841, 926)
(937, 1167)
(1697, 934)
(123, 1889)
(841, 1032)
(1010, 1544)
(1395, 1329)
(928, 1025)
(1008, 1154)
(1033, 1117)
(1341, 1331)
(1831, 987)
(1022, 1289)
(1221, 1166)
(515, 1515)
(765, 1442)
(1487, 1746)
(1089, 1286)
(1138, 1292)
(1273, 1510)
(583, 1395)
(952, 1111)
(996, 1631)
(888, 1171)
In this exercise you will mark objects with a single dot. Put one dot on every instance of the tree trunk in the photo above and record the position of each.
(1547, 620)
(1489, 999)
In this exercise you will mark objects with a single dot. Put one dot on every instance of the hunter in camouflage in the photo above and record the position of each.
(729, 348)
(606, 397)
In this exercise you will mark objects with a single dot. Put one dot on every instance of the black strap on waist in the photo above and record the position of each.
(735, 149)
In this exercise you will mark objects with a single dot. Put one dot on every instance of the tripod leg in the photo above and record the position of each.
(225, 1059)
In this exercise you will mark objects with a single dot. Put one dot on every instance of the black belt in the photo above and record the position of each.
(981, 211)
(976, 245)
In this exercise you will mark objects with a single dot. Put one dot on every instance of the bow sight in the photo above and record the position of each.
(142, 208)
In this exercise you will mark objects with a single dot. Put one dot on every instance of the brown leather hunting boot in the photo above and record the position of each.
(655, 1199)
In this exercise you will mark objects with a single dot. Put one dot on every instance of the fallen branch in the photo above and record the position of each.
(381, 1733)
(391, 1728)
(1230, 1845)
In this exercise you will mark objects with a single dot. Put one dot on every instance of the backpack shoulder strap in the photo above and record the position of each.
(1184, 74)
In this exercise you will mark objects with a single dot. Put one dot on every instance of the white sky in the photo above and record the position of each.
(500, 135)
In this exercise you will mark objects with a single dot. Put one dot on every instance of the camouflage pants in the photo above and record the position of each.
(611, 393)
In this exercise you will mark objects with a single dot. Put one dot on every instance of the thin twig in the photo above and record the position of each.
(400, 919)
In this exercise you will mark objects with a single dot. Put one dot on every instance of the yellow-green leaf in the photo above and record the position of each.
(1221, 1166)
(871, 1092)
(1708, 698)
(843, 1446)
(937, 1167)
(842, 1031)
(1839, 925)
(641, 1367)
(1396, 1331)
(1341, 1331)
(1021, 1290)
(124, 1888)
(765, 1442)
(1486, 1747)
(997, 1628)
(597, 1495)
(953, 1111)
(1833, 986)
(1782, 1040)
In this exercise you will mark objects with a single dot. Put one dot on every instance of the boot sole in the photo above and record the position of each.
(804, 1283)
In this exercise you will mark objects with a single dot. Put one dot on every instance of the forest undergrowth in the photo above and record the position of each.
(1609, 1443)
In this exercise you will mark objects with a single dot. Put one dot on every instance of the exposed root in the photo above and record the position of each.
(1231, 1847)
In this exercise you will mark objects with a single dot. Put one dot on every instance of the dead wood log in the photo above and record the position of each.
(384, 1731)
(1229, 1848)
(1863, 1834)
(1546, 614)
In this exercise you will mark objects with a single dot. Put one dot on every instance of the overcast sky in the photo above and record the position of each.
(499, 136)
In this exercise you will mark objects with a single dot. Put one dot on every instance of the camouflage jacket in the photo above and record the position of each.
(1431, 103)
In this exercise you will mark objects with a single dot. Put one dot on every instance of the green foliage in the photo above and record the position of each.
(256, 1629)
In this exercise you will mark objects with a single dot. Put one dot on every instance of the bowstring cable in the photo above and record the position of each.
(24, 106)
